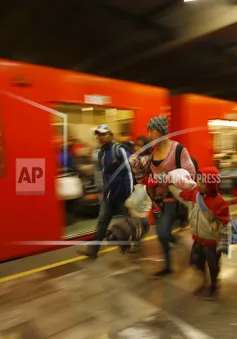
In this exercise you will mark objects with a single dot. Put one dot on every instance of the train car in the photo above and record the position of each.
(193, 114)
(209, 130)
(36, 101)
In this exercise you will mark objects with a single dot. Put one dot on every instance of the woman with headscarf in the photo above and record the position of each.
(163, 160)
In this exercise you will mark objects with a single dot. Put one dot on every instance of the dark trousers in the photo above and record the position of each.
(164, 224)
(108, 209)
(183, 215)
(201, 254)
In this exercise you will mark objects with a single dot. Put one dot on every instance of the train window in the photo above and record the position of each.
(82, 213)
(1, 150)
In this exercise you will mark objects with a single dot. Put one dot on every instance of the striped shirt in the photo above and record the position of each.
(140, 165)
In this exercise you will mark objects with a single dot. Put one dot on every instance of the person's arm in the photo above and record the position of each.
(221, 211)
(134, 161)
(143, 163)
(184, 196)
(187, 163)
(139, 162)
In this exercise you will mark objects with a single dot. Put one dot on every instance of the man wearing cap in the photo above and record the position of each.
(118, 183)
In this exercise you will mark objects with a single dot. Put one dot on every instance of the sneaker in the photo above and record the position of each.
(88, 253)
(212, 293)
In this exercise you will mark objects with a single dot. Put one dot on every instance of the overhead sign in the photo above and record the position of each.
(97, 100)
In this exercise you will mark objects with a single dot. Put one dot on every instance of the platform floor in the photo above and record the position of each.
(85, 226)
(113, 297)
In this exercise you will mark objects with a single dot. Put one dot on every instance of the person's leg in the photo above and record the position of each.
(183, 215)
(119, 208)
(105, 216)
(164, 231)
(198, 259)
(213, 260)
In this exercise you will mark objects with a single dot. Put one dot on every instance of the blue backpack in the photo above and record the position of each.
(116, 156)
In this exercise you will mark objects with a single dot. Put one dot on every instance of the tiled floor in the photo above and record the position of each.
(115, 298)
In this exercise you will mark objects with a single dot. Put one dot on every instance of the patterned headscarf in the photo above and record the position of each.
(159, 123)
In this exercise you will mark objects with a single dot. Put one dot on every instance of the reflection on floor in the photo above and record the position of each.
(115, 298)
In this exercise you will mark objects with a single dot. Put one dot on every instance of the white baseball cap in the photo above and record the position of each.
(102, 129)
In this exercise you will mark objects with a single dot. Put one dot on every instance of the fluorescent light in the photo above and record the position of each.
(189, 0)
(87, 109)
(222, 123)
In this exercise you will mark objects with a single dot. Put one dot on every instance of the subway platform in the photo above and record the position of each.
(59, 295)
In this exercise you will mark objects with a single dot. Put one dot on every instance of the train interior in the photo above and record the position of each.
(81, 211)
(224, 138)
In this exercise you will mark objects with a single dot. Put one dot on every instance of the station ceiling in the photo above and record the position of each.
(183, 46)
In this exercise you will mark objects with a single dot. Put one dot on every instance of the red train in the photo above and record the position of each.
(30, 97)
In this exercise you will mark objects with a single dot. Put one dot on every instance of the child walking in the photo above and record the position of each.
(208, 215)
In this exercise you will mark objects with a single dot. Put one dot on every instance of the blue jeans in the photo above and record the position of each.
(108, 209)
(164, 224)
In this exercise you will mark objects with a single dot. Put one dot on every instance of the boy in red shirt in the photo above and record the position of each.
(208, 215)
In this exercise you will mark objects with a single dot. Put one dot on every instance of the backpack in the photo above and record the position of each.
(116, 157)
(128, 145)
(115, 153)
(179, 150)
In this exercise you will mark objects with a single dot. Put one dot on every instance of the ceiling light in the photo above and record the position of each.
(189, 0)
(87, 109)
(222, 123)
